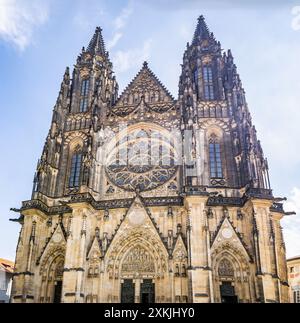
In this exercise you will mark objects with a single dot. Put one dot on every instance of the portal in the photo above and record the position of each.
(228, 293)
(147, 292)
(127, 292)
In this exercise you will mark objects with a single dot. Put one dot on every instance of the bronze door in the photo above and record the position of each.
(147, 292)
(127, 292)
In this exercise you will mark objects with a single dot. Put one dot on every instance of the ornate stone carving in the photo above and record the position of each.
(143, 160)
(138, 260)
(226, 268)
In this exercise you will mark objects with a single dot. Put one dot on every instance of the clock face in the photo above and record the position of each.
(141, 161)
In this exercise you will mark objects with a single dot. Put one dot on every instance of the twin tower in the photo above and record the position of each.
(143, 198)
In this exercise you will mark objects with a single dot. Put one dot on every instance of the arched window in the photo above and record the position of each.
(226, 268)
(196, 80)
(84, 101)
(216, 169)
(75, 170)
(208, 82)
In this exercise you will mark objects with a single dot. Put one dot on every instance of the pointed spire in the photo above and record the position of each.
(202, 31)
(96, 45)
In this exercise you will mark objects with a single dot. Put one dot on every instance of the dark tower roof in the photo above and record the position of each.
(96, 45)
(202, 32)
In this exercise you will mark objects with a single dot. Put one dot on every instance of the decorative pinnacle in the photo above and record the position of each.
(202, 31)
(145, 65)
(96, 45)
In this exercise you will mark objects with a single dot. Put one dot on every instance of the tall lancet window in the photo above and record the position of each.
(196, 80)
(216, 169)
(84, 100)
(75, 171)
(208, 81)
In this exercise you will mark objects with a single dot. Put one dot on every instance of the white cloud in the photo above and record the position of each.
(113, 42)
(120, 23)
(291, 224)
(18, 19)
(125, 60)
(185, 32)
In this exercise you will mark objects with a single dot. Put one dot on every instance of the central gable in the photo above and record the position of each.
(146, 90)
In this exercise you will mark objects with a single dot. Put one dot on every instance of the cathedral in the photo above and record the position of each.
(141, 197)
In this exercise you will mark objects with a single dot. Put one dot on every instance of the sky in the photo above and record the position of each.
(39, 38)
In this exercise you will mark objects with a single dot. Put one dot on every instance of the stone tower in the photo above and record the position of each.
(142, 198)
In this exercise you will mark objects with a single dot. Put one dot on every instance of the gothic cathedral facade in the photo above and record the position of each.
(143, 198)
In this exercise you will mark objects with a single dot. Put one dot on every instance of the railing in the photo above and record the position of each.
(227, 201)
(260, 193)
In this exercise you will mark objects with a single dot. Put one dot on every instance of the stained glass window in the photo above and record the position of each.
(216, 169)
(85, 87)
(208, 83)
(143, 160)
(196, 80)
(84, 101)
(83, 105)
(75, 171)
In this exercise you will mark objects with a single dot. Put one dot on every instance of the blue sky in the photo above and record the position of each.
(39, 38)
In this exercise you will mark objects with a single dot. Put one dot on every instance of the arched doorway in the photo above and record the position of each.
(58, 282)
(52, 278)
(137, 268)
(138, 276)
(232, 280)
(227, 289)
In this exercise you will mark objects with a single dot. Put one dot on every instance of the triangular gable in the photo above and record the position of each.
(95, 248)
(145, 89)
(227, 235)
(138, 218)
(58, 239)
(180, 250)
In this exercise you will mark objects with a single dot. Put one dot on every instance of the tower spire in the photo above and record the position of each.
(97, 45)
(202, 31)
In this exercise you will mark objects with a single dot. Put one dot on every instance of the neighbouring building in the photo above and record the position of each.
(294, 279)
(144, 198)
(6, 276)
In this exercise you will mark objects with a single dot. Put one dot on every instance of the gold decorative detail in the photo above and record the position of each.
(84, 72)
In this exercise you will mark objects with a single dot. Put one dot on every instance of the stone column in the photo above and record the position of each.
(73, 281)
(137, 298)
(25, 276)
(266, 278)
(198, 259)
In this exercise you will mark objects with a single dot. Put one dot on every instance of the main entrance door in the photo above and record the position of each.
(228, 294)
(127, 292)
(57, 292)
(147, 292)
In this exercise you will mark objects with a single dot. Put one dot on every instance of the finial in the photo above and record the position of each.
(96, 44)
(145, 64)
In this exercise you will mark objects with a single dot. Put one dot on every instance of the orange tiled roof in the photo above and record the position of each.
(7, 265)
